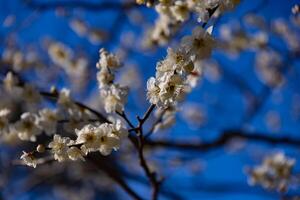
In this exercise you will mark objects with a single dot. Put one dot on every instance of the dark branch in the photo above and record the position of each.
(226, 137)
(79, 104)
(91, 6)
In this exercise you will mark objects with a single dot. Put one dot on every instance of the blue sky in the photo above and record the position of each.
(222, 175)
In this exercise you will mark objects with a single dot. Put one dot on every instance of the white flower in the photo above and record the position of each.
(67, 106)
(114, 98)
(274, 173)
(59, 147)
(108, 60)
(27, 128)
(225, 5)
(98, 138)
(180, 11)
(47, 120)
(171, 89)
(89, 137)
(10, 82)
(79, 27)
(29, 159)
(4, 123)
(176, 60)
(153, 90)
(268, 65)
(199, 44)
(118, 129)
(74, 154)
(64, 98)
(104, 77)
(108, 143)
(60, 54)
(195, 75)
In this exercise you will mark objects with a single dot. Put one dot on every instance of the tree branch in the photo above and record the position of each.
(226, 137)
(91, 6)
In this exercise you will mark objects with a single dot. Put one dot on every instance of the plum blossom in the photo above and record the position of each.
(59, 147)
(75, 153)
(199, 45)
(274, 173)
(29, 159)
(108, 60)
(103, 138)
(4, 123)
(47, 120)
(114, 98)
(27, 127)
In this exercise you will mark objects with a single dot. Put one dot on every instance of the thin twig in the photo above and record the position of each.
(155, 183)
(150, 174)
(124, 116)
(158, 120)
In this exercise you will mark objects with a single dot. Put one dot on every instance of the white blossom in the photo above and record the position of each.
(117, 128)
(97, 138)
(153, 90)
(195, 75)
(171, 89)
(27, 127)
(75, 153)
(4, 123)
(29, 159)
(104, 77)
(199, 44)
(180, 10)
(108, 60)
(79, 27)
(10, 83)
(176, 60)
(60, 54)
(274, 173)
(59, 147)
(89, 137)
(47, 120)
(67, 106)
(114, 97)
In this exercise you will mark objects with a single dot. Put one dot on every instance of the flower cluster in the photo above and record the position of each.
(91, 138)
(176, 74)
(235, 40)
(173, 13)
(62, 56)
(274, 173)
(27, 127)
(82, 29)
(19, 60)
(288, 34)
(26, 93)
(30, 125)
(68, 108)
(33, 123)
(114, 95)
